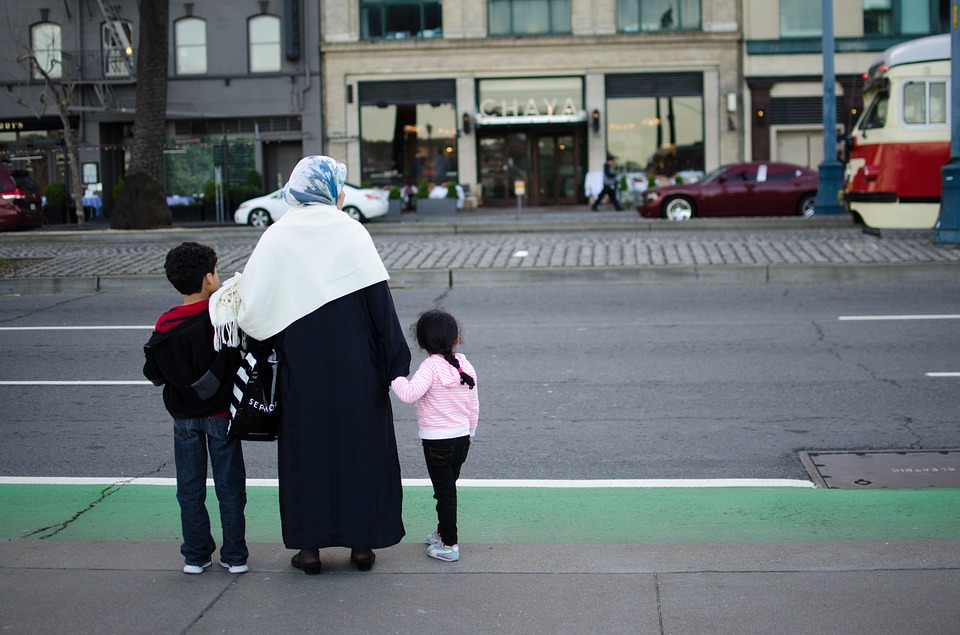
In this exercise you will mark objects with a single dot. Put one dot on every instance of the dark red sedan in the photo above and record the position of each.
(21, 204)
(739, 189)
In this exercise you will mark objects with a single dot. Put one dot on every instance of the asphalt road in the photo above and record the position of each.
(576, 382)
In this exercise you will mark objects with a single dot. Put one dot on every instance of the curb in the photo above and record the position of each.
(880, 273)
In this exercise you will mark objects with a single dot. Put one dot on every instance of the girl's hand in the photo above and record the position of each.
(471, 440)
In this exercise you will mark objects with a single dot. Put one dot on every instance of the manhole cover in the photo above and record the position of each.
(904, 469)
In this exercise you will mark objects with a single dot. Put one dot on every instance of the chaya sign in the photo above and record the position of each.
(543, 110)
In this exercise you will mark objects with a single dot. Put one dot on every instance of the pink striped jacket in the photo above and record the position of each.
(446, 409)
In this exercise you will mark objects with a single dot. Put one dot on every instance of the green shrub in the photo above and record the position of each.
(424, 190)
(452, 190)
(56, 194)
(209, 191)
(394, 193)
(117, 189)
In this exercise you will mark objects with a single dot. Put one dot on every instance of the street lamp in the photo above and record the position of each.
(831, 170)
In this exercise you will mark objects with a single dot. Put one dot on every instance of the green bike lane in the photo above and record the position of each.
(519, 515)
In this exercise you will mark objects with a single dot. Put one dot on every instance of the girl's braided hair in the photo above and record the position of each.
(437, 332)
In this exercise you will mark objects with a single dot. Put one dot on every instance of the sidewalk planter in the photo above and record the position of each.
(394, 207)
(436, 206)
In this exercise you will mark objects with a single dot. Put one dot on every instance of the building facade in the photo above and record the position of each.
(494, 95)
(783, 66)
(496, 92)
(243, 94)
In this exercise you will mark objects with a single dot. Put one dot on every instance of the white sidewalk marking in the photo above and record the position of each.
(943, 374)
(75, 328)
(423, 482)
(864, 318)
(106, 382)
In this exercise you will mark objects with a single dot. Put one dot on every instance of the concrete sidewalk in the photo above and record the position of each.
(870, 588)
(500, 247)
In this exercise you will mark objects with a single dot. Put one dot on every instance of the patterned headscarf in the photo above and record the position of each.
(315, 179)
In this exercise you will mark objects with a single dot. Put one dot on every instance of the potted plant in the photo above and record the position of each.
(56, 203)
(394, 202)
(428, 205)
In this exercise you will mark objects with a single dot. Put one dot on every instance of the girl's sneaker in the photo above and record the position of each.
(434, 538)
(441, 551)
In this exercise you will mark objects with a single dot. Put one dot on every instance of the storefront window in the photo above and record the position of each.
(528, 17)
(401, 144)
(263, 34)
(117, 49)
(191, 41)
(799, 19)
(46, 46)
(400, 19)
(905, 17)
(658, 15)
(657, 135)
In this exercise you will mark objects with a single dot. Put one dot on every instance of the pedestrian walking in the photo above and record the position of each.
(609, 186)
(444, 393)
(197, 385)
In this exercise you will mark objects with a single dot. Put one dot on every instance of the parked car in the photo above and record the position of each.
(359, 203)
(739, 189)
(21, 202)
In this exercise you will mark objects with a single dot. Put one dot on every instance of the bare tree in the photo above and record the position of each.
(143, 203)
(57, 92)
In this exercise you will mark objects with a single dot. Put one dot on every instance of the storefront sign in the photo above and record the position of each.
(545, 110)
(10, 125)
(530, 100)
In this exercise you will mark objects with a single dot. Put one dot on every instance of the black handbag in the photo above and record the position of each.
(254, 412)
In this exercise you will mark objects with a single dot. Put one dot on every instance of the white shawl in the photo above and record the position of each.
(312, 255)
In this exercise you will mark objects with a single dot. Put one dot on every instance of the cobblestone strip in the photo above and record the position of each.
(546, 249)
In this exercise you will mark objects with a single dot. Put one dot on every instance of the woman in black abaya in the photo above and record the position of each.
(316, 284)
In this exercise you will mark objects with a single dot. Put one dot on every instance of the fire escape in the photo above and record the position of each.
(110, 65)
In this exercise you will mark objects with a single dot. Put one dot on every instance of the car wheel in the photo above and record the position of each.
(806, 205)
(355, 214)
(259, 218)
(679, 208)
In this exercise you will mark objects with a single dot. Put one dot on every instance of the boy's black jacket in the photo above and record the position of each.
(197, 380)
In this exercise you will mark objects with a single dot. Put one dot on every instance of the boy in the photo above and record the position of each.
(197, 384)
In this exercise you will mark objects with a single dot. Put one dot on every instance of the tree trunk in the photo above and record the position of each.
(142, 202)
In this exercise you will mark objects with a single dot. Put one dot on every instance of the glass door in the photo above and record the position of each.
(558, 169)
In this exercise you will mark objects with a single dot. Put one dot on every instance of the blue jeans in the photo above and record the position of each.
(192, 439)
(444, 458)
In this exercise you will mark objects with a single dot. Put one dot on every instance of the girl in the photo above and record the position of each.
(443, 391)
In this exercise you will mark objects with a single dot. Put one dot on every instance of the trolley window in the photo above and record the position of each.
(925, 103)
(876, 115)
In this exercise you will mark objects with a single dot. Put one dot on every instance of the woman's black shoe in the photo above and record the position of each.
(363, 558)
(310, 568)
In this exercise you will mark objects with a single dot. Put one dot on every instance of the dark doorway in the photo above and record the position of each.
(549, 161)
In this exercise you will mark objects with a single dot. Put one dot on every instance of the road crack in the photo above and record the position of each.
(52, 530)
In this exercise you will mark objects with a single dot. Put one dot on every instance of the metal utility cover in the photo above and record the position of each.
(891, 469)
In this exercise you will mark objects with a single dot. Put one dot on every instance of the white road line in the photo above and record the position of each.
(75, 328)
(124, 382)
(943, 374)
(423, 482)
(864, 318)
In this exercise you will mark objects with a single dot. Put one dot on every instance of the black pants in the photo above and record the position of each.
(444, 458)
(611, 191)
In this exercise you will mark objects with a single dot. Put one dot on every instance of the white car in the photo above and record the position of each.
(359, 204)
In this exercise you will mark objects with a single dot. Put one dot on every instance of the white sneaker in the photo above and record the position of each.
(441, 551)
(434, 538)
(194, 569)
(234, 568)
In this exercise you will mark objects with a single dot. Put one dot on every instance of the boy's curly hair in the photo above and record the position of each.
(187, 265)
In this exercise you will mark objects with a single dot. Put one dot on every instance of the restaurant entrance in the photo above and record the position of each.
(549, 160)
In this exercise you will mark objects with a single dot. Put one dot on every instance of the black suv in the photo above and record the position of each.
(21, 204)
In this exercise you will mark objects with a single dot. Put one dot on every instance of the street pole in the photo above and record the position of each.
(831, 170)
(947, 228)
